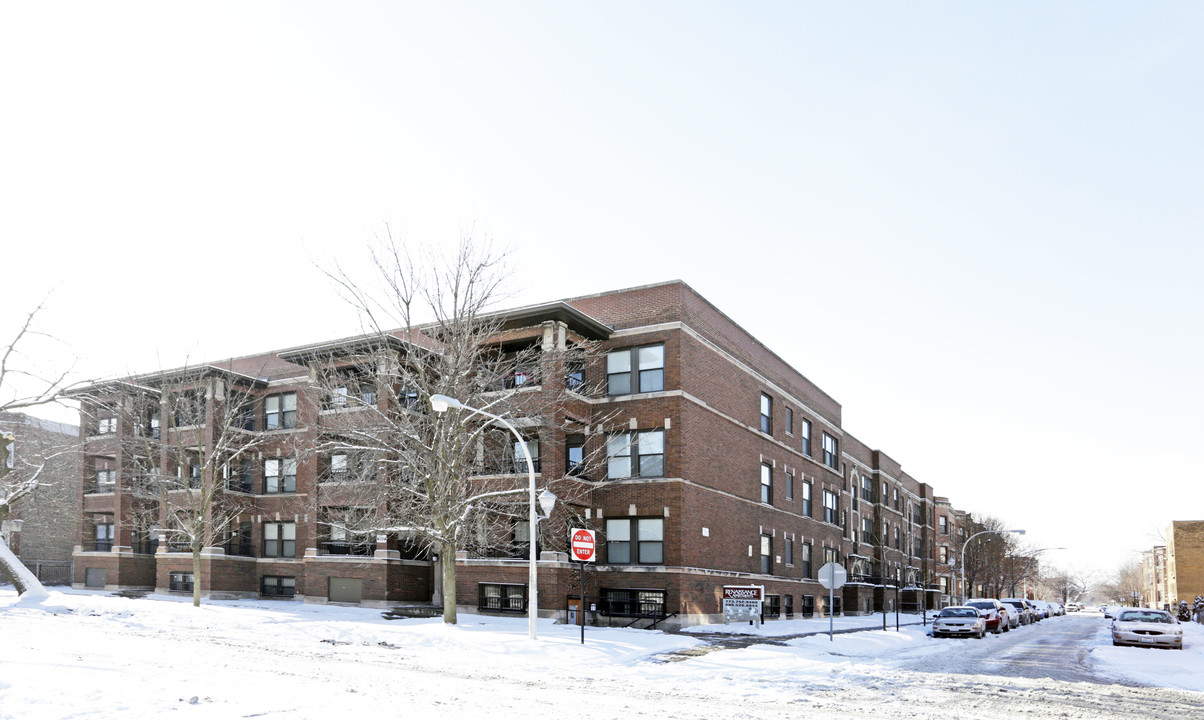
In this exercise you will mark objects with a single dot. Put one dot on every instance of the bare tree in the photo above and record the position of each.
(23, 384)
(1125, 584)
(440, 482)
(989, 560)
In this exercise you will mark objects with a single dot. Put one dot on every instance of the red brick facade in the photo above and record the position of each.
(708, 494)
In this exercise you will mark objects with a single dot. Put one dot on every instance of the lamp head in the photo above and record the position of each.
(547, 501)
(440, 403)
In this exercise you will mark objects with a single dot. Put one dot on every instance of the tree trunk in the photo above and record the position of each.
(448, 551)
(196, 576)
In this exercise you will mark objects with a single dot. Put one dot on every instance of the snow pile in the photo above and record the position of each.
(88, 654)
(1183, 669)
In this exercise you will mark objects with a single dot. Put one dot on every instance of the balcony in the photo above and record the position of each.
(343, 547)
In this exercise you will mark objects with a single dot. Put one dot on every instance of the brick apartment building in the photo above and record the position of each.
(1184, 561)
(41, 527)
(724, 466)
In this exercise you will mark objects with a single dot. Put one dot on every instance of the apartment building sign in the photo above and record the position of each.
(742, 602)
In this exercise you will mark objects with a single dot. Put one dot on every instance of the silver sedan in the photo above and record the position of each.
(1143, 626)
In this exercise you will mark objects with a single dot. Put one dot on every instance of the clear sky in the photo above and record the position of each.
(976, 225)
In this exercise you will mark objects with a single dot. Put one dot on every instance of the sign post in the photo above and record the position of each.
(832, 576)
(583, 549)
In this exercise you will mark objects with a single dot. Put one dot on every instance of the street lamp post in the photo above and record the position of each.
(440, 403)
(965, 593)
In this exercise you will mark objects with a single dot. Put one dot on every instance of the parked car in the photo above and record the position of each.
(1013, 617)
(959, 621)
(1145, 626)
(1109, 611)
(1073, 607)
(1027, 616)
(993, 612)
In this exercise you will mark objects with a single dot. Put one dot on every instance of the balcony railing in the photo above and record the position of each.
(343, 547)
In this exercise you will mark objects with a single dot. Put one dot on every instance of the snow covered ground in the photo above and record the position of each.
(91, 655)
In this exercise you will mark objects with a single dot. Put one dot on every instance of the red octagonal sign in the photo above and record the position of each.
(581, 542)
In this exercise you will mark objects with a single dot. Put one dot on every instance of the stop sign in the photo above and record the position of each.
(832, 576)
(582, 545)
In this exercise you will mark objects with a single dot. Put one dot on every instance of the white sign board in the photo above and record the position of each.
(742, 602)
(832, 576)
(582, 545)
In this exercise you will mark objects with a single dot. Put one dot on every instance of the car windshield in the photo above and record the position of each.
(1145, 616)
(959, 612)
(982, 605)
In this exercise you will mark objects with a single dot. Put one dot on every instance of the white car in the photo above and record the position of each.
(1145, 626)
(959, 621)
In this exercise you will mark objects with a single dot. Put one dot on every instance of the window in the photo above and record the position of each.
(806, 559)
(106, 426)
(237, 540)
(867, 530)
(151, 427)
(574, 454)
(189, 408)
(789, 485)
(244, 417)
(789, 551)
(766, 483)
(496, 597)
(639, 369)
(806, 498)
(788, 605)
(804, 432)
(179, 581)
(106, 480)
(766, 554)
(943, 554)
(645, 535)
(574, 377)
(830, 453)
(338, 466)
(242, 477)
(633, 602)
(280, 539)
(773, 606)
(789, 421)
(831, 509)
(280, 411)
(944, 524)
(104, 536)
(867, 489)
(638, 454)
(520, 456)
(190, 474)
(766, 414)
(280, 475)
(895, 491)
(917, 547)
(830, 555)
(278, 586)
(897, 537)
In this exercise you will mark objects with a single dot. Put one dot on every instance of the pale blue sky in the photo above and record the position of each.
(977, 226)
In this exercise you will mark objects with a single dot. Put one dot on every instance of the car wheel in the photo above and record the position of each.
(1115, 644)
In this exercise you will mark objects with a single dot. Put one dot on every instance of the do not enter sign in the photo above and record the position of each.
(582, 545)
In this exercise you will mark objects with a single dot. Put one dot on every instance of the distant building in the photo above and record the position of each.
(42, 527)
(724, 466)
(1184, 561)
(1153, 577)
